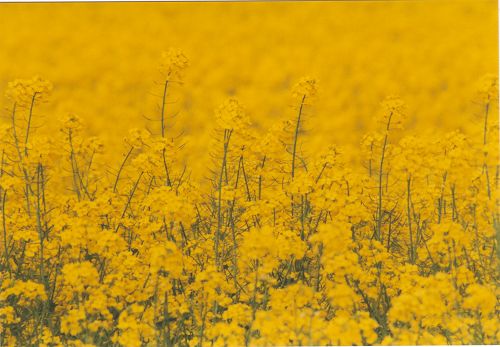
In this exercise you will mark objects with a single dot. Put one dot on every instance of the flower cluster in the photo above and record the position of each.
(26, 92)
(173, 63)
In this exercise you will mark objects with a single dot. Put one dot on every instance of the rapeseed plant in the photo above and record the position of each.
(164, 264)
(260, 224)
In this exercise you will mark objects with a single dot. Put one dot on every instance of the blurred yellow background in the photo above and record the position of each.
(103, 61)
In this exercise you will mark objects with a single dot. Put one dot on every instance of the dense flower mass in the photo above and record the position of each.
(252, 206)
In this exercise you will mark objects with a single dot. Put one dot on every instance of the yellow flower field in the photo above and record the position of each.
(259, 174)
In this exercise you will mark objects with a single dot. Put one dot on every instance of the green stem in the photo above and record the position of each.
(121, 168)
(378, 234)
(164, 99)
(296, 135)
(29, 123)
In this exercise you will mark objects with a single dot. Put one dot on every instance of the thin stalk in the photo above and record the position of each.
(318, 273)
(29, 123)
(164, 155)
(408, 205)
(74, 167)
(41, 234)
(121, 168)
(441, 199)
(249, 197)
(27, 187)
(163, 102)
(321, 172)
(4, 224)
(485, 142)
(227, 137)
(260, 178)
(378, 234)
(296, 135)
(130, 198)
(485, 131)
(233, 229)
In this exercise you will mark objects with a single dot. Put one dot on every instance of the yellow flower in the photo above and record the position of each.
(393, 113)
(173, 63)
(80, 276)
(305, 88)
(231, 115)
(25, 92)
(480, 298)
